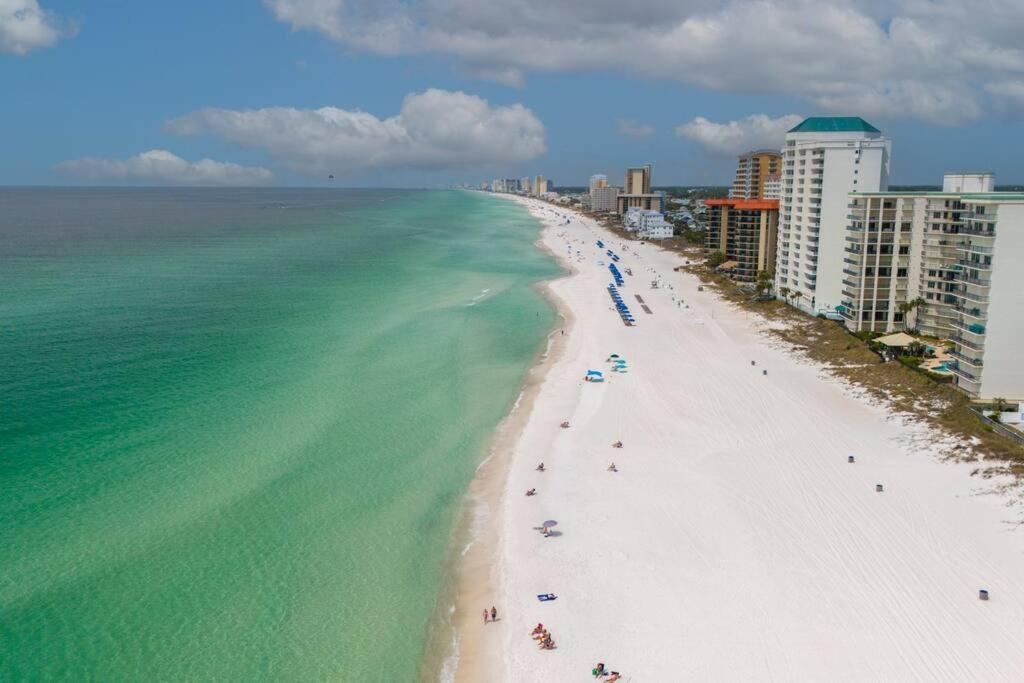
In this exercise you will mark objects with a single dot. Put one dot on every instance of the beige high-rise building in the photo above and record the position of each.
(604, 198)
(753, 172)
(540, 186)
(638, 180)
(958, 252)
(637, 192)
(745, 230)
(598, 181)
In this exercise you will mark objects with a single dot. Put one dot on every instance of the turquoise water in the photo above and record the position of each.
(237, 425)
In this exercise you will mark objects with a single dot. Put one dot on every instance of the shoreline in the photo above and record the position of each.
(735, 541)
(457, 650)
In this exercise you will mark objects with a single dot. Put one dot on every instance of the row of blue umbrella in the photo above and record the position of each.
(616, 274)
(612, 255)
(621, 306)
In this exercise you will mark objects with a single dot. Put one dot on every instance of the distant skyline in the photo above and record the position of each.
(419, 94)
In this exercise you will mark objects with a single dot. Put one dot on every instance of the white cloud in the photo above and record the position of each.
(734, 137)
(433, 129)
(925, 59)
(633, 129)
(160, 167)
(25, 26)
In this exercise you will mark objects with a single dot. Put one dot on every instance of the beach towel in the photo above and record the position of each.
(545, 597)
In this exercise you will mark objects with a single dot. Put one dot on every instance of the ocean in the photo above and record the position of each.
(237, 426)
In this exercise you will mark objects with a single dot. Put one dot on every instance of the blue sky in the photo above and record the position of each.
(541, 96)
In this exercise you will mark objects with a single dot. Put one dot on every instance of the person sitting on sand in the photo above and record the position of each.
(565, 424)
(615, 675)
(540, 467)
(613, 468)
(531, 492)
(599, 670)
(539, 628)
(545, 532)
(617, 444)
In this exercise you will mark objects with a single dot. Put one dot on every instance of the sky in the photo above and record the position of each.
(407, 93)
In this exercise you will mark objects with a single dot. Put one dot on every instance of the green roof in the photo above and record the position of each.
(834, 124)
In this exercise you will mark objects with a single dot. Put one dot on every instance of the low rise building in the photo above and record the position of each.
(745, 231)
(654, 201)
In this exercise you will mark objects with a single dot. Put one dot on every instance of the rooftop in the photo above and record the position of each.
(744, 204)
(834, 124)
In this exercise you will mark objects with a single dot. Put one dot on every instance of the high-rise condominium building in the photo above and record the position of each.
(745, 231)
(825, 158)
(524, 185)
(540, 186)
(598, 181)
(752, 174)
(637, 192)
(604, 198)
(773, 186)
(955, 253)
(638, 180)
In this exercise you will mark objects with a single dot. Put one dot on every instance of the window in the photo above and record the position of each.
(901, 272)
(904, 249)
(897, 318)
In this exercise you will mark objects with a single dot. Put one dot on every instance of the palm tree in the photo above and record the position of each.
(764, 282)
(906, 308)
(998, 408)
(784, 293)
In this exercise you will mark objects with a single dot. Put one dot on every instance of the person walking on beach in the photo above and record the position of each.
(494, 614)
(485, 614)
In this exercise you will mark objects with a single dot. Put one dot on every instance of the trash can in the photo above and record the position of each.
(849, 458)
(878, 487)
(983, 594)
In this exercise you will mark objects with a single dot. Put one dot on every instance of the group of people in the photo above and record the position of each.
(601, 673)
(490, 614)
(543, 638)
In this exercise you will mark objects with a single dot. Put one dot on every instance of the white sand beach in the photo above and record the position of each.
(736, 542)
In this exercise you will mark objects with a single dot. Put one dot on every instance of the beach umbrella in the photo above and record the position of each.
(595, 372)
(550, 523)
(614, 355)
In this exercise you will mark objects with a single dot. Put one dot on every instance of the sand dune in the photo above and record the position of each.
(736, 542)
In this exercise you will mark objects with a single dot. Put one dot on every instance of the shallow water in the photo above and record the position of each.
(237, 425)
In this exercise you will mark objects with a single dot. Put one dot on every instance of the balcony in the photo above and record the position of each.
(971, 296)
(961, 358)
(967, 263)
(974, 346)
(973, 313)
(973, 332)
(973, 381)
(974, 281)
(977, 231)
(971, 248)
